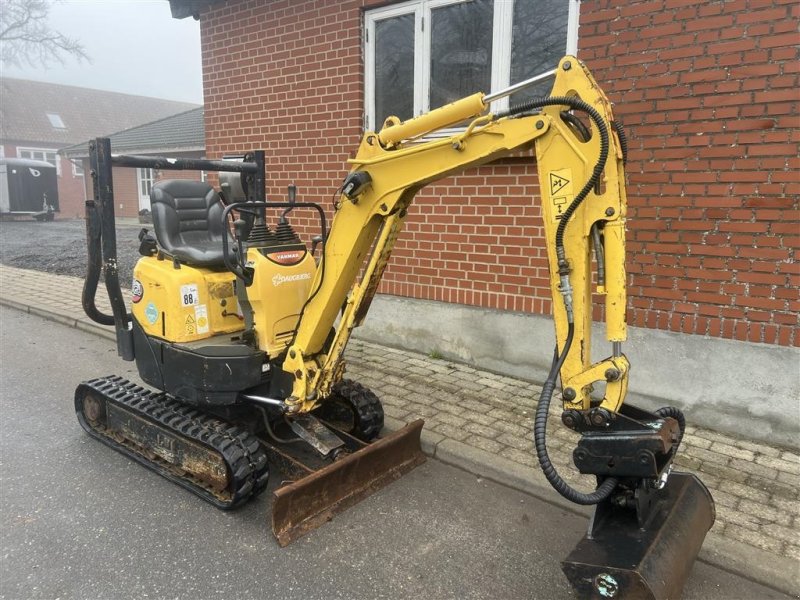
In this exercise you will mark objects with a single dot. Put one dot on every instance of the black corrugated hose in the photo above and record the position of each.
(94, 267)
(677, 414)
(623, 140)
(605, 489)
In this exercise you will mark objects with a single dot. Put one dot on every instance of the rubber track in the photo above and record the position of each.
(368, 406)
(244, 457)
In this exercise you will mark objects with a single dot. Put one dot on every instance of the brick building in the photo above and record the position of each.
(706, 90)
(37, 119)
(177, 136)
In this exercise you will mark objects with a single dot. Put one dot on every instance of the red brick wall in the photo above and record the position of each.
(707, 90)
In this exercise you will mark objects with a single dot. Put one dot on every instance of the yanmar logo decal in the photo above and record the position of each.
(286, 258)
(278, 279)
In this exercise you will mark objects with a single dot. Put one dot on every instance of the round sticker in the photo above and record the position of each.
(151, 312)
(137, 291)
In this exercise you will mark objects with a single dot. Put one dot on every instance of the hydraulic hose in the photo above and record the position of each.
(577, 124)
(93, 268)
(677, 414)
(605, 489)
(623, 140)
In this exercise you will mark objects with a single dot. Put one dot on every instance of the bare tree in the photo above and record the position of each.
(25, 36)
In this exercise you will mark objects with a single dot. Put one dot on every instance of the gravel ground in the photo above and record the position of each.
(60, 247)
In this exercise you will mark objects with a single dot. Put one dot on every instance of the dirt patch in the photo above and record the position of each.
(60, 247)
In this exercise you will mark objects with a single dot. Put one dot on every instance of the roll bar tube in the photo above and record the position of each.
(101, 235)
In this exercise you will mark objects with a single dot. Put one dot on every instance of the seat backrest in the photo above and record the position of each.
(187, 219)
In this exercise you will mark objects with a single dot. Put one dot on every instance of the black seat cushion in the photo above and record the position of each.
(187, 219)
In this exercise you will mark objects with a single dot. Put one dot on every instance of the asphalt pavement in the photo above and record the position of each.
(79, 520)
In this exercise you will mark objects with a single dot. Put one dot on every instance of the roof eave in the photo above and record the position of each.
(189, 8)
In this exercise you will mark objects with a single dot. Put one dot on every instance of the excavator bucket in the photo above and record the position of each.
(315, 495)
(623, 557)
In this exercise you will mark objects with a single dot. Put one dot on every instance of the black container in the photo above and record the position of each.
(27, 187)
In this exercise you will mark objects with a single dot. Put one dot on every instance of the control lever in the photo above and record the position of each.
(241, 228)
(292, 194)
(315, 241)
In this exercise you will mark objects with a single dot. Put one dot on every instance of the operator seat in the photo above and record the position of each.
(187, 219)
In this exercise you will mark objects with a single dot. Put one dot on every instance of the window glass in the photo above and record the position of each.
(423, 54)
(394, 68)
(461, 51)
(48, 156)
(146, 177)
(55, 121)
(537, 42)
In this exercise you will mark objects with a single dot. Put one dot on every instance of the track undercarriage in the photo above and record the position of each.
(226, 464)
(218, 461)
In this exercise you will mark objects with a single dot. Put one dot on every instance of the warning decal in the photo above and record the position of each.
(556, 183)
(191, 325)
(561, 193)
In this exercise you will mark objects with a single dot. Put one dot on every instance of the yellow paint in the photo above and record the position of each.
(191, 304)
(277, 296)
(455, 112)
(177, 319)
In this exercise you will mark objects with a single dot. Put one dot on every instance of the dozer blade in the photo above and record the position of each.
(318, 495)
(621, 558)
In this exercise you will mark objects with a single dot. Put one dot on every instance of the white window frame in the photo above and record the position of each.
(421, 9)
(142, 176)
(77, 168)
(44, 152)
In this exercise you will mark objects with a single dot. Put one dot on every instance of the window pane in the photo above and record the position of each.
(394, 68)
(461, 51)
(538, 42)
(145, 181)
(55, 121)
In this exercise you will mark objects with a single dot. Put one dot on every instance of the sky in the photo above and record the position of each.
(135, 46)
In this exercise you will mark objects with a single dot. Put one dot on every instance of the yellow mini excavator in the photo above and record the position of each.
(240, 327)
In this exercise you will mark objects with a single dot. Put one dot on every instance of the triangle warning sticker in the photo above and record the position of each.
(557, 183)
